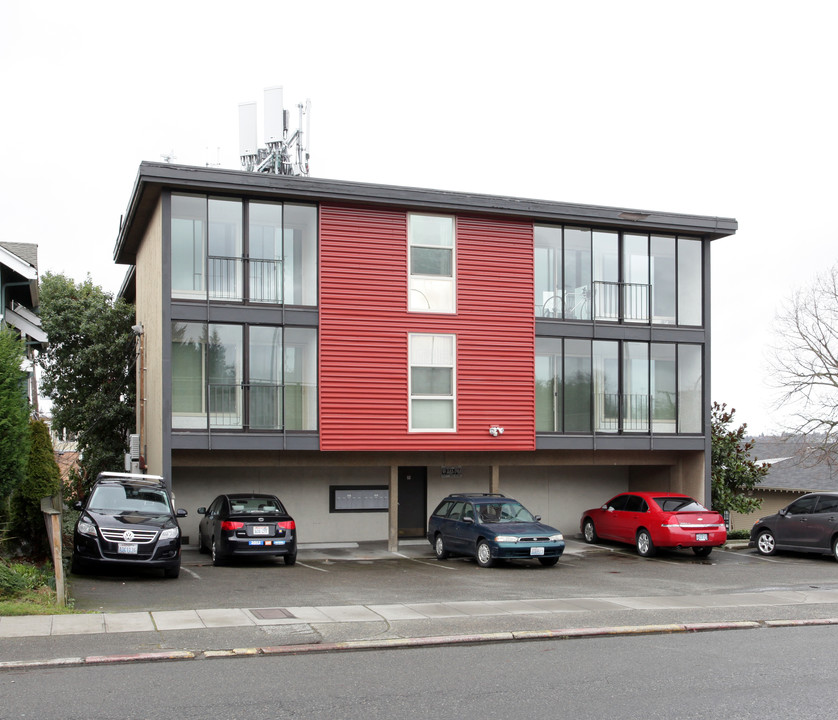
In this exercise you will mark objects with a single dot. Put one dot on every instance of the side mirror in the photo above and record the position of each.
(181, 512)
(201, 511)
(78, 505)
(468, 520)
(537, 518)
(784, 512)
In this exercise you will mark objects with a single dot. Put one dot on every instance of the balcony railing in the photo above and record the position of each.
(226, 402)
(603, 302)
(225, 279)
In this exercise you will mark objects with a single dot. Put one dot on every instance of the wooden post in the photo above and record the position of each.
(52, 518)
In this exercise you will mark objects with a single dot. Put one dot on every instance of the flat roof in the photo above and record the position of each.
(153, 177)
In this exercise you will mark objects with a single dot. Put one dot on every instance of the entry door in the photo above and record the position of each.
(413, 511)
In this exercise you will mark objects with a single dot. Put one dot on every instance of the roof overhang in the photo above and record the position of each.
(26, 322)
(153, 177)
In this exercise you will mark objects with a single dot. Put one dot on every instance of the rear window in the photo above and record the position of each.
(255, 505)
(670, 504)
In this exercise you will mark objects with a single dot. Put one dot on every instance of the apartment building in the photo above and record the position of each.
(361, 350)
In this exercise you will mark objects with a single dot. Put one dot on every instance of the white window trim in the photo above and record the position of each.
(452, 397)
(452, 280)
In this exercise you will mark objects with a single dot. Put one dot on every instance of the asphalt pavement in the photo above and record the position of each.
(373, 598)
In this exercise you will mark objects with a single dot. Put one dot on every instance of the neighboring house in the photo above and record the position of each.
(362, 350)
(19, 302)
(793, 473)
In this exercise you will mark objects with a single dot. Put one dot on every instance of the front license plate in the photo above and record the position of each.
(536, 551)
(701, 537)
(256, 542)
(261, 530)
(127, 548)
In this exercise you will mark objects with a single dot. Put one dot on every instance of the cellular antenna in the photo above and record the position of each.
(283, 154)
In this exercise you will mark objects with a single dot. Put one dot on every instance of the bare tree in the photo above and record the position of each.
(805, 364)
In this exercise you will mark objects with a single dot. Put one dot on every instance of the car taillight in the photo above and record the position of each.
(231, 525)
(286, 525)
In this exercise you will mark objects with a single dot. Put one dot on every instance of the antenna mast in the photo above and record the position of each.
(283, 154)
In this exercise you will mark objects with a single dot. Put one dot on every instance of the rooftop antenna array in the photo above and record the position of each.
(283, 154)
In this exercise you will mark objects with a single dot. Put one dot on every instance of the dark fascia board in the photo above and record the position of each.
(152, 177)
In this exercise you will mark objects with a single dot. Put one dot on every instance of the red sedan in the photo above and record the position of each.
(651, 520)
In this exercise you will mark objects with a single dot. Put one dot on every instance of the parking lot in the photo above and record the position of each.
(370, 575)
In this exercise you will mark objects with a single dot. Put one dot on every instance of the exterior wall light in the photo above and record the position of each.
(495, 430)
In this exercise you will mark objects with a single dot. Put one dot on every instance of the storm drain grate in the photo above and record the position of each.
(272, 613)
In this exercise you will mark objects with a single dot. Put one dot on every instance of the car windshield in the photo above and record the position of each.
(503, 512)
(129, 498)
(255, 505)
(679, 504)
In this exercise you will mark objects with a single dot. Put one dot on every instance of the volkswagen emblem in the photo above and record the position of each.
(261, 519)
(128, 536)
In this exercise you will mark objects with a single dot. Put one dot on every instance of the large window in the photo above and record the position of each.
(432, 382)
(432, 273)
(273, 261)
(607, 386)
(243, 377)
(606, 276)
(206, 375)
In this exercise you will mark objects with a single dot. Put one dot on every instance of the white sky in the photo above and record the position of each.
(715, 108)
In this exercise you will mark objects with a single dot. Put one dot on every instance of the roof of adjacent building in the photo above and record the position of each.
(153, 177)
(792, 466)
(28, 252)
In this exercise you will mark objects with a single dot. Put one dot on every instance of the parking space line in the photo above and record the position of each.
(191, 572)
(311, 567)
(436, 564)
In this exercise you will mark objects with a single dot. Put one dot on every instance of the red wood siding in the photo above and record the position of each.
(364, 329)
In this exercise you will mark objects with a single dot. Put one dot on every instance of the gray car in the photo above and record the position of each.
(809, 524)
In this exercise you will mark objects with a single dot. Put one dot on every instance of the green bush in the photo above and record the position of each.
(16, 579)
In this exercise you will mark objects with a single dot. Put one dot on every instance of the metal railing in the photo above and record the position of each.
(607, 302)
(225, 279)
(227, 401)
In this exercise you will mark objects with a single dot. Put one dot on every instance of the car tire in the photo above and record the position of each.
(702, 551)
(171, 572)
(202, 548)
(439, 547)
(216, 554)
(291, 559)
(484, 555)
(645, 546)
(589, 531)
(77, 566)
(766, 544)
(548, 561)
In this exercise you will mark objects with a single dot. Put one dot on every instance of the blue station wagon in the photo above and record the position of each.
(491, 527)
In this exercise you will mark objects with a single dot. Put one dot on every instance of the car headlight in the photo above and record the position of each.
(506, 538)
(169, 534)
(86, 527)
(556, 537)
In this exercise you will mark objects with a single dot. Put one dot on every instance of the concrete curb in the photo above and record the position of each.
(396, 643)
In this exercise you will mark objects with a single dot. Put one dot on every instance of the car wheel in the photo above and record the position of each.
(835, 547)
(202, 548)
(439, 548)
(766, 545)
(216, 554)
(171, 572)
(291, 559)
(645, 546)
(76, 566)
(589, 531)
(548, 561)
(702, 551)
(484, 555)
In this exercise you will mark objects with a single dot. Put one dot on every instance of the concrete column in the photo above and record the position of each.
(393, 534)
(494, 483)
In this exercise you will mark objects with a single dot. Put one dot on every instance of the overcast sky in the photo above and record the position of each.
(714, 108)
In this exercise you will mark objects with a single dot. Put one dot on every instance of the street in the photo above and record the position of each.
(767, 672)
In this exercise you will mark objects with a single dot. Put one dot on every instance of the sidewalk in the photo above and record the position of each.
(167, 620)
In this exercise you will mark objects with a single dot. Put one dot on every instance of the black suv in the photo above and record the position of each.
(128, 521)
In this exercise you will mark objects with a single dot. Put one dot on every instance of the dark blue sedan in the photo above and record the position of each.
(491, 527)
